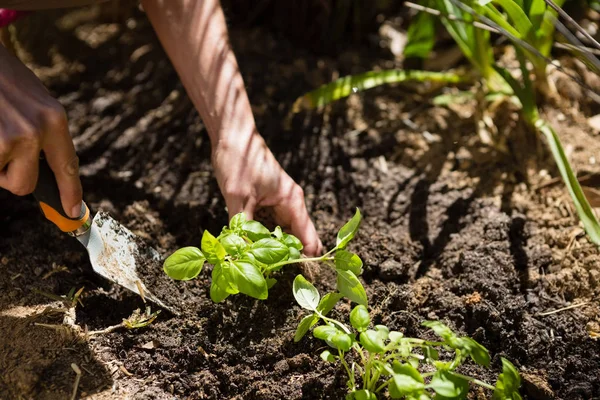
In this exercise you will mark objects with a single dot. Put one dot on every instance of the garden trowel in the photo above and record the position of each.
(114, 251)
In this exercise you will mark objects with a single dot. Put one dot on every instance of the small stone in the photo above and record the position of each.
(594, 123)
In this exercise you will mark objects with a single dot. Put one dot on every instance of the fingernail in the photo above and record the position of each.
(76, 212)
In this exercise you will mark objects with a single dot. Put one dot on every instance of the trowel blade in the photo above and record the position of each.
(113, 249)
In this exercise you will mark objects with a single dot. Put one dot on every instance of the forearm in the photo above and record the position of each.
(194, 35)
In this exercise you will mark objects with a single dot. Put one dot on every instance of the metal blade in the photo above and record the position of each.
(113, 250)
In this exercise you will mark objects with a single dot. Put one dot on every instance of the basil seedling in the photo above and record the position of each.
(246, 255)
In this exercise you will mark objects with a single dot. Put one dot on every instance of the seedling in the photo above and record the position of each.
(246, 255)
(379, 359)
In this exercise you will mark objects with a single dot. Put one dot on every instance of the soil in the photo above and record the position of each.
(454, 229)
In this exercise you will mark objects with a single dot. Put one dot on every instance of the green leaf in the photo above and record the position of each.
(269, 251)
(234, 245)
(585, 212)
(347, 85)
(217, 293)
(349, 285)
(395, 336)
(305, 293)
(519, 20)
(340, 340)
(249, 279)
(237, 222)
(509, 381)
(255, 230)
(347, 232)
(184, 264)
(212, 249)
(449, 386)
(476, 351)
(382, 331)
(292, 241)
(372, 341)
(271, 282)
(364, 394)
(278, 233)
(407, 369)
(431, 354)
(294, 253)
(420, 36)
(327, 356)
(303, 327)
(328, 302)
(402, 385)
(222, 285)
(348, 261)
(359, 318)
(440, 329)
(324, 332)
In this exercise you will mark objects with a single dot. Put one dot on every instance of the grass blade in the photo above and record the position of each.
(347, 85)
(586, 214)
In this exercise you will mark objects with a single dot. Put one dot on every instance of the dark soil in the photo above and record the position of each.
(452, 230)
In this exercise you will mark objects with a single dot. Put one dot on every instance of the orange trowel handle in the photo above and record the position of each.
(48, 196)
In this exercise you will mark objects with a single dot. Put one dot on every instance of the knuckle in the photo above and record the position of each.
(53, 115)
(234, 191)
(22, 188)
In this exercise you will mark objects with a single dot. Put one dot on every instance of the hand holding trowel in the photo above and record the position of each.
(112, 247)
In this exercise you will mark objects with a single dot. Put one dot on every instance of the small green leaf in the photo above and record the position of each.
(383, 331)
(420, 36)
(305, 293)
(303, 327)
(449, 386)
(234, 245)
(364, 394)
(395, 336)
(407, 369)
(278, 233)
(327, 356)
(249, 279)
(255, 230)
(509, 381)
(271, 282)
(217, 294)
(359, 318)
(212, 249)
(440, 329)
(292, 241)
(237, 222)
(328, 302)
(269, 251)
(349, 285)
(372, 341)
(478, 353)
(403, 385)
(431, 354)
(221, 286)
(348, 231)
(294, 253)
(348, 261)
(323, 332)
(184, 264)
(340, 340)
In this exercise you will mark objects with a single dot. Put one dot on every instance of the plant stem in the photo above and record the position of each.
(345, 364)
(383, 385)
(333, 321)
(299, 260)
(474, 380)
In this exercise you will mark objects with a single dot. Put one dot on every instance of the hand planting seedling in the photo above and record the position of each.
(378, 359)
(246, 255)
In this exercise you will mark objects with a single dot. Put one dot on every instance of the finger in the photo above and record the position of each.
(21, 173)
(237, 203)
(291, 211)
(62, 159)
